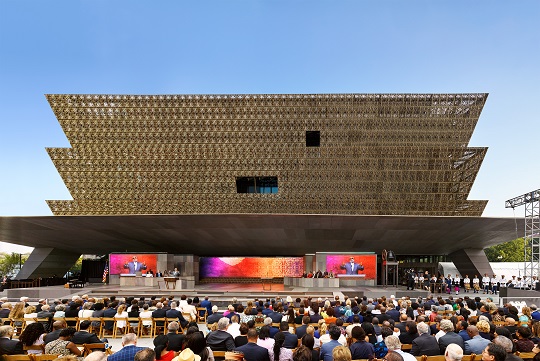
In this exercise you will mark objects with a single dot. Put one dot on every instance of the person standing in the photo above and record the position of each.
(135, 266)
(352, 268)
(485, 283)
(457, 283)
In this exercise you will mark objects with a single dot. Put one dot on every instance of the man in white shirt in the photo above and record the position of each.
(234, 326)
(191, 309)
(476, 284)
(494, 287)
(467, 283)
(485, 283)
(502, 282)
(394, 345)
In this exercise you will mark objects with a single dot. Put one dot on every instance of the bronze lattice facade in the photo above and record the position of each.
(377, 154)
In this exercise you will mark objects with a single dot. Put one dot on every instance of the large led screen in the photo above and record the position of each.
(249, 267)
(131, 263)
(353, 264)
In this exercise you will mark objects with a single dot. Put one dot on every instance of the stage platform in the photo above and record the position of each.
(220, 293)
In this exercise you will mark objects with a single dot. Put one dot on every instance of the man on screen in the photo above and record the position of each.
(134, 266)
(352, 268)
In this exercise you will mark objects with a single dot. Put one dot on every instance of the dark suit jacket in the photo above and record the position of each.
(220, 341)
(159, 313)
(109, 312)
(394, 314)
(425, 345)
(208, 305)
(81, 337)
(352, 269)
(448, 338)
(175, 314)
(214, 318)
(254, 352)
(276, 317)
(401, 326)
(407, 338)
(10, 347)
(51, 336)
(301, 331)
(273, 331)
(175, 341)
(291, 341)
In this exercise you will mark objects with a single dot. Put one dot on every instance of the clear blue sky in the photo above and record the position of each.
(271, 46)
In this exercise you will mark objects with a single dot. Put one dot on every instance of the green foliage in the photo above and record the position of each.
(77, 266)
(511, 251)
(9, 263)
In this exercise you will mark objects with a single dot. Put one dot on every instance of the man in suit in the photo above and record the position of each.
(301, 331)
(128, 350)
(252, 351)
(462, 331)
(7, 345)
(424, 344)
(83, 336)
(392, 312)
(402, 323)
(215, 316)
(351, 267)
(220, 340)
(174, 313)
(449, 336)
(175, 339)
(267, 310)
(5, 310)
(159, 313)
(58, 326)
(109, 313)
(275, 316)
(135, 266)
(508, 346)
(328, 347)
(291, 341)
(476, 344)
(207, 304)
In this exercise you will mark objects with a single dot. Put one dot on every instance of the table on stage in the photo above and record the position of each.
(170, 280)
(267, 280)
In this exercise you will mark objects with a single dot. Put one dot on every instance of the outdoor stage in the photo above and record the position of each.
(220, 293)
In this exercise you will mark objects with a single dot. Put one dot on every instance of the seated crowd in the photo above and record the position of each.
(280, 329)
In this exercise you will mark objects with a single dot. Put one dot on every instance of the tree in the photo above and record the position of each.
(511, 251)
(9, 263)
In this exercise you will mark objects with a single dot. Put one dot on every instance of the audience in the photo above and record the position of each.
(465, 331)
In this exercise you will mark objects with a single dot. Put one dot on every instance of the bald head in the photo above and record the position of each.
(58, 325)
(472, 331)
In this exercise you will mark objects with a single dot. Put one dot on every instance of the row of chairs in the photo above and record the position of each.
(43, 357)
(86, 349)
(142, 326)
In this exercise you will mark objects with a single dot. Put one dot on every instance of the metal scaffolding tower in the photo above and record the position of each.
(531, 239)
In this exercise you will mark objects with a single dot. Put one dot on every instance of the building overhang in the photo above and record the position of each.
(257, 234)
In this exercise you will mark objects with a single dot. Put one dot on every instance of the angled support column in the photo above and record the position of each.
(471, 261)
(47, 262)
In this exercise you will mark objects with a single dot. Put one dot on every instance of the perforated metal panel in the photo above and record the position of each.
(379, 154)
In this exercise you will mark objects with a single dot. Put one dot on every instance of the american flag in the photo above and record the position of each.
(105, 272)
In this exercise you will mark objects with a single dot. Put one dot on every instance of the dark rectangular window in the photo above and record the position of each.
(256, 185)
(313, 138)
